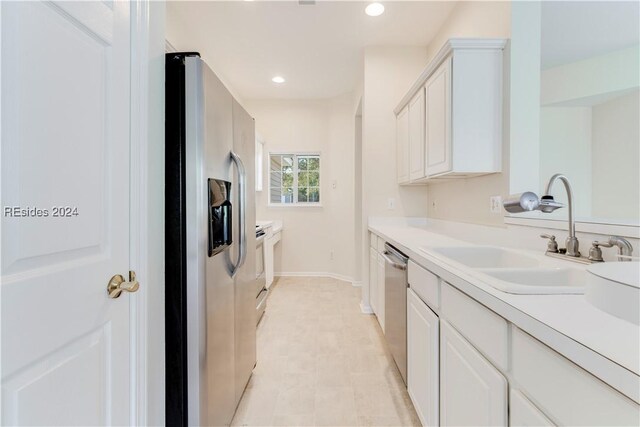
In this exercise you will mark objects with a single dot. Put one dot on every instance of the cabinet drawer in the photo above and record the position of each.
(487, 331)
(380, 244)
(568, 394)
(373, 241)
(523, 413)
(425, 284)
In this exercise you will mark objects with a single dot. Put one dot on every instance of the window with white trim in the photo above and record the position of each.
(294, 179)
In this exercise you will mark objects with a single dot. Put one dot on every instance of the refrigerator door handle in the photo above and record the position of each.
(242, 214)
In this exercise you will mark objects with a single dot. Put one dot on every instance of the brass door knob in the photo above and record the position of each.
(117, 284)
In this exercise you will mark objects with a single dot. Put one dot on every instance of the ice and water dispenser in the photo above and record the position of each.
(220, 218)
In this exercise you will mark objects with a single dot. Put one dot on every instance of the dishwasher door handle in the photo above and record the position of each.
(394, 264)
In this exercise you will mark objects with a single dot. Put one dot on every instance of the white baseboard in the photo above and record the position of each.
(357, 284)
(317, 274)
(365, 308)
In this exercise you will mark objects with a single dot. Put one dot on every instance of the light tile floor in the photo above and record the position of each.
(321, 362)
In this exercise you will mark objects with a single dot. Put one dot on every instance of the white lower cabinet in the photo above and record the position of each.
(472, 390)
(459, 378)
(376, 277)
(422, 359)
(373, 279)
(380, 291)
(523, 413)
(564, 391)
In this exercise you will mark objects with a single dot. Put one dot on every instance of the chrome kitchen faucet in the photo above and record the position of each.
(529, 201)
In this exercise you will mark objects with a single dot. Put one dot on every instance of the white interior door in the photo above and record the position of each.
(65, 143)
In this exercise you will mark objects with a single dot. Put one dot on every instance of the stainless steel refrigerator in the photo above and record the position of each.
(210, 245)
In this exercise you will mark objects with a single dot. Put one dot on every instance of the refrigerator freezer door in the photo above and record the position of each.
(210, 312)
(210, 291)
(245, 278)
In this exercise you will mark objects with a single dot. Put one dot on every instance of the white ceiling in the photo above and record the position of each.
(318, 49)
(576, 30)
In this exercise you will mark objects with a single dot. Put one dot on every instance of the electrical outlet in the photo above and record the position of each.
(495, 204)
(334, 184)
(391, 203)
(434, 205)
(331, 255)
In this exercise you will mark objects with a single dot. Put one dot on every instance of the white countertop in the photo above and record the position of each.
(274, 225)
(605, 345)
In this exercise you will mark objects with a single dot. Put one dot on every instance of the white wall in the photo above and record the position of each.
(474, 19)
(357, 169)
(565, 147)
(187, 38)
(311, 234)
(467, 200)
(597, 147)
(388, 74)
(616, 158)
(591, 78)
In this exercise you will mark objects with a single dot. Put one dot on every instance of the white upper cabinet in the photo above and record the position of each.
(458, 133)
(416, 136)
(438, 121)
(402, 145)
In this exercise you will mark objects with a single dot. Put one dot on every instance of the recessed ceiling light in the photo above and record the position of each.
(374, 9)
(278, 79)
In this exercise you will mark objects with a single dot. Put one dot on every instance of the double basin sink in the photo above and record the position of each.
(613, 287)
(514, 272)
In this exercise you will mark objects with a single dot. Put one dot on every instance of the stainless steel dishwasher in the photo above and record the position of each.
(395, 306)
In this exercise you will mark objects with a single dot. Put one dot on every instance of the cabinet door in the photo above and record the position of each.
(416, 136)
(472, 391)
(268, 260)
(380, 311)
(523, 413)
(422, 359)
(438, 121)
(402, 145)
(566, 392)
(373, 279)
(373, 240)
